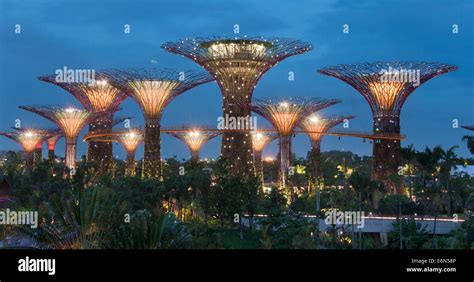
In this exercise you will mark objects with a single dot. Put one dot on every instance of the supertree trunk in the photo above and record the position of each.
(257, 157)
(285, 154)
(29, 161)
(51, 154)
(71, 153)
(236, 147)
(195, 155)
(38, 155)
(387, 154)
(314, 165)
(130, 164)
(101, 152)
(152, 155)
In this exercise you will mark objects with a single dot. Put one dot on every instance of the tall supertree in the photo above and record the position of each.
(260, 140)
(153, 90)
(95, 96)
(285, 114)
(386, 86)
(28, 139)
(70, 120)
(316, 126)
(237, 64)
(130, 139)
(194, 138)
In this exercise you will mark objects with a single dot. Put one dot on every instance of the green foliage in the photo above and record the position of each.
(147, 231)
(414, 236)
(390, 205)
(197, 208)
(287, 231)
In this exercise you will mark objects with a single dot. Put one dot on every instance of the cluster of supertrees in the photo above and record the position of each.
(236, 64)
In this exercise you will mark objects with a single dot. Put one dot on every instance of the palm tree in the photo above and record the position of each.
(409, 154)
(449, 159)
(428, 160)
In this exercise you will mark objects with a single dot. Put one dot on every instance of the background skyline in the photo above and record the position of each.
(89, 34)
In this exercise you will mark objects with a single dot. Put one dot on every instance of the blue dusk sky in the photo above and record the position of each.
(90, 34)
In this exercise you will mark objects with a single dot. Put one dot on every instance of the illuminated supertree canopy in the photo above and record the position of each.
(95, 96)
(285, 114)
(70, 120)
(153, 90)
(28, 139)
(237, 64)
(51, 137)
(51, 141)
(316, 125)
(194, 138)
(260, 140)
(386, 86)
(130, 139)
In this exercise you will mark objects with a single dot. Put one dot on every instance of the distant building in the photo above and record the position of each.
(462, 170)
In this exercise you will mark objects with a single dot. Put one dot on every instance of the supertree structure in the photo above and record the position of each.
(237, 64)
(153, 90)
(95, 96)
(50, 134)
(315, 126)
(70, 120)
(130, 139)
(51, 141)
(468, 127)
(28, 139)
(194, 138)
(260, 140)
(386, 86)
(285, 114)
(38, 154)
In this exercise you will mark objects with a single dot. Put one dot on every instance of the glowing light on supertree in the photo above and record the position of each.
(260, 140)
(130, 140)
(70, 120)
(95, 96)
(237, 64)
(28, 139)
(285, 114)
(153, 90)
(194, 138)
(386, 86)
(315, 126)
